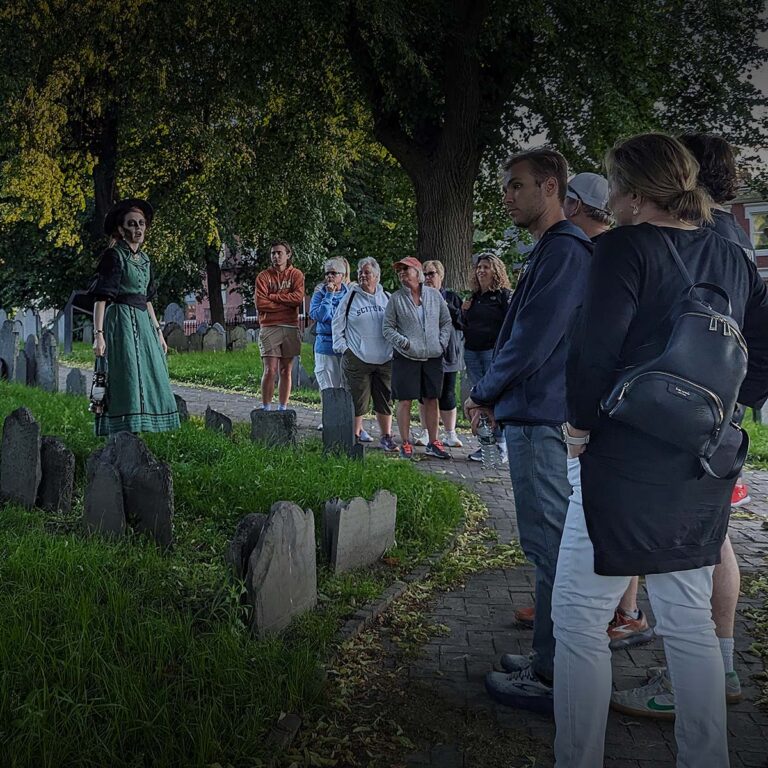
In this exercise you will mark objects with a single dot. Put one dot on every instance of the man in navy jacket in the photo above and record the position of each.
(524, 391)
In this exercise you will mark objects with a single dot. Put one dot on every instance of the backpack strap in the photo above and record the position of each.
(349, 306)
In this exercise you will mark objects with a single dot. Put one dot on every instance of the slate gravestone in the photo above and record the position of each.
(215, 340)
(30, 322)
(238, 338)
(281, 581)
(104, 512)
(466, 387)
(220, 328)
(30, 352)
(21, 367)
(48, 363)
(217, 422)
(277, 428)
(300, 379)
(358, 533)
(181, 405)
(3, 316)
(174, 314)
(194, 343)
(338, 420)
(20, 458)
(202, 329)
(177, 340)
(308, 337)
(169, 328)
(88, 332)
(57, 464)
(8, 350)
(75, 382)
(243, 542)
(18, 328)
(60, 324)
(252, 335)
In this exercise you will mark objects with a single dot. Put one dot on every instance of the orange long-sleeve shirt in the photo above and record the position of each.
(279, 295)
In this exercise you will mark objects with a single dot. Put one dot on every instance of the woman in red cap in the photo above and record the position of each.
(126, 331)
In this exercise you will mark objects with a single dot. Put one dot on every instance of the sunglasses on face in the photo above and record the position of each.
(332, 274)
(430, 274)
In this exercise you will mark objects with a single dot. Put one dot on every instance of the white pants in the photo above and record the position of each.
(582, 605)
(328, 371)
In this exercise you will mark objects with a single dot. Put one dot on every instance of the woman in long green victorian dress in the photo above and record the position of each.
(139, 396)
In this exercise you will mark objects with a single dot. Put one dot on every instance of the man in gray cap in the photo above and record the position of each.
(586, 204)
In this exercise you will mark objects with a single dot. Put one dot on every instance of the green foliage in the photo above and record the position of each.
(758, 443)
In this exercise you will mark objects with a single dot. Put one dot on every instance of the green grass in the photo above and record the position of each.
(112, 654)
(758, 443)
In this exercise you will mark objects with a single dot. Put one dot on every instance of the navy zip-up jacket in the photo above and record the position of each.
(526, 381)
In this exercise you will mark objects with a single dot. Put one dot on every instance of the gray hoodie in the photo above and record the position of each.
(357, 325)
(404, 330)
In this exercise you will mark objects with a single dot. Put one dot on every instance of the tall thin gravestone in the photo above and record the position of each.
(338, 420)
(8, 350)
(58, 476)
(88, 332)
(48, 363)
(30, 352)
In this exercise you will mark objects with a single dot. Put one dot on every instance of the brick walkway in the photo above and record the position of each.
(480, 624)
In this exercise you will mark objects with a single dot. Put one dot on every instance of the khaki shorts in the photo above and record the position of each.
(279, 341)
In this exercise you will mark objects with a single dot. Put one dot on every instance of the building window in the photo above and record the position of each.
(758, 226)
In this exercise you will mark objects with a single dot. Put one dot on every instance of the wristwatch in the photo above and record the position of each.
(570, 439)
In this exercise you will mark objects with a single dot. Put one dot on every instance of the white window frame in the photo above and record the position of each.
(751, 211)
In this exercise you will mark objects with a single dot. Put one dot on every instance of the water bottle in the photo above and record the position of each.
(488, 450)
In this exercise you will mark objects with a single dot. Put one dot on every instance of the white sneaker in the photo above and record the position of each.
(503, 457)
(452, 440)
(421, 439)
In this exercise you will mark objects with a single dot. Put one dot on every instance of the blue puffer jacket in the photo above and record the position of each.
(321, 310)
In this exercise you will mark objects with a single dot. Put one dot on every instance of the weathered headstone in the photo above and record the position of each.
(20, 458)
(194, 342)
(30, 351)
(181, 405)
(3, 316)
(215, 340)
(8, 350)
(252, 335)
(75, 382)
(21, 367)
(60, 327)
(358, 533)
(338, 420)
(174, 314)
(300, 379)
(281, 581)
(88, 332)
(202, 329)
(58, 476)
(18, 327)
(103, 510)
(177, 340)
(48, 363)
(238, 338)
(276, 428)
(169, 328)
(243, 542)
(217, 422)
(466, 386)
(30, 322)
(308, 337)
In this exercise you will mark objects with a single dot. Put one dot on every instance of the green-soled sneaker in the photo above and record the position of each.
(655, 699)
(732, 683)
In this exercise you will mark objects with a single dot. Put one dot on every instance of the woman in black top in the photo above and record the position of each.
(647, 506)
(483, 315)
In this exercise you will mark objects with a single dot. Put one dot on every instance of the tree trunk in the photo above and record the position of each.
(105, 171)
(444, 207)
(213, 275)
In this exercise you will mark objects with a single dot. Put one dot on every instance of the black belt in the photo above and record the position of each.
(136, 300)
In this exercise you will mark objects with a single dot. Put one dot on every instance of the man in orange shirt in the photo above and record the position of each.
(279, 294)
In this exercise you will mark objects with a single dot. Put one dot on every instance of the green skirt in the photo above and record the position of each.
(139, 396)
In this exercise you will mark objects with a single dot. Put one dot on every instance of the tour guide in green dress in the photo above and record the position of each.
(139, 396)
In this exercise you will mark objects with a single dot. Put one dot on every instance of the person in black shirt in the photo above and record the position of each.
(641, 505)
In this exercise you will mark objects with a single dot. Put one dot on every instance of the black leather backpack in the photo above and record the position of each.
(687, 395)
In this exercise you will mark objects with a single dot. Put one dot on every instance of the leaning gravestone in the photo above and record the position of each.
(238, 338)
(169, 328)
(177, 340)
(275, 428)
(174, 314)
(21, 367)
(217, 422)
(30, 352)
(357, 534)
(48, 363)
(281, 581)
(181, 406)
(338, 420)
(8, 350)
(75, 382)
(215, 340)
(243, 542)
(58, 476)
(20, 458)
(194, 342)
(104, 511)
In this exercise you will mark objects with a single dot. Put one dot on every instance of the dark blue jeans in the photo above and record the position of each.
(477, 364)
(539, 471)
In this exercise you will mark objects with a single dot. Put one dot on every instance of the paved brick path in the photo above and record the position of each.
(479, 619)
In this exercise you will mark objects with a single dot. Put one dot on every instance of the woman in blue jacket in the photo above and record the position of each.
(324, 302)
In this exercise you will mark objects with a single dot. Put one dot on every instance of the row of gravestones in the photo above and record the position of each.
(208, 339)
(34, 364)
(28, 322)
(276, 554)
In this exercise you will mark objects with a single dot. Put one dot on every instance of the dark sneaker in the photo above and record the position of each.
(388, 444)
(476, 455)
(512, 662)
(626, 632)
(437, 450)
(406, 451)
(521, 689)
(732, 682)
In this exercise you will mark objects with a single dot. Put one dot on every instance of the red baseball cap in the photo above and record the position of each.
(408, 261)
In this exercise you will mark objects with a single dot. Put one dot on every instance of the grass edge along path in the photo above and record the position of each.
(110, 651)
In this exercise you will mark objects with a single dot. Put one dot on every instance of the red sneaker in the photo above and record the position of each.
(740, 495)
(626, 632)
(525, 615)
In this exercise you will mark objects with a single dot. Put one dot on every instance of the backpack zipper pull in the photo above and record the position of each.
(713, 324)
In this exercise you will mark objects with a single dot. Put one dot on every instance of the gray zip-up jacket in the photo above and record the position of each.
(406, 333)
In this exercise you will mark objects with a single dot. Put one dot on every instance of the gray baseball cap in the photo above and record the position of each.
(590, 188)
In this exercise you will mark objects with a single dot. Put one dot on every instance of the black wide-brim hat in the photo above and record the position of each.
(119, 209)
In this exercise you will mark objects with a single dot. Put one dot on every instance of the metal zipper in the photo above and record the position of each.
(728, 329)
